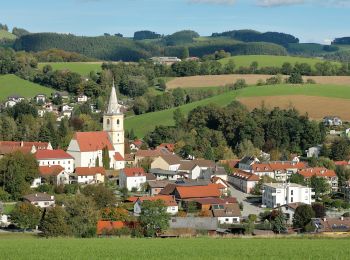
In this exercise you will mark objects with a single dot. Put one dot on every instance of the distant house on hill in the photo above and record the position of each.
(41, 200)
(332, 121)
(132, 178)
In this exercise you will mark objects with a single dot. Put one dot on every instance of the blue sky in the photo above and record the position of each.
(309, 20)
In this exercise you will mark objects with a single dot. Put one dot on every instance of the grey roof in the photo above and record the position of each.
(39, 197)
(171, 158)
(227, 210)
(197, 182)
(247, 159)
(206, 223)
(157, 171)
(158, 184)
(187, 165)
(113, 106)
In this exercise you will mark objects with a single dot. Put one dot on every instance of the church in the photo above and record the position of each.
(86, 147)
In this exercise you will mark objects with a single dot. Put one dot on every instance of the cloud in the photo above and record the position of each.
(218, 2)
(272, 3)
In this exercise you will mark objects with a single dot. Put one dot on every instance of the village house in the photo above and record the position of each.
(165, 60)
(226, 213)
(170, 147)
(246, 163)
(282, 170)
(129, 159)
(13, 100)
(262, 169)
(166, 175)
(189, 193)
(55, 157)
(41, 200)
(135, 145)
(277, 194)
(7, 147)
(205, 204)
(156, 186)
(288, 210)
(169, 162)
(332, 121)
(54, 174)
(87, 147)
(82, 98)
(321, 172)
(243, 181)
(149, 154)
(331, 225)
(132, 178)
(208, 173)
(169, 201)
(89, 175)
(104, 227)
(190, 169)
(222, 184)
(314, 151)
(40, 98)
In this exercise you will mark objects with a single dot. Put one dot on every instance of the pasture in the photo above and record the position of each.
(82, 68)
(7, 35)
(146, 122)
(251, 79)
(180, 248)
(12, 85)
(269, 60)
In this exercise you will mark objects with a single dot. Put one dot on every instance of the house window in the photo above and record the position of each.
(108, 121)
(227, 220)
(117, 121)
(291, 199)
(291, 192)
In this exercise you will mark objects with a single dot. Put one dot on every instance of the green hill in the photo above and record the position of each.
(82, 68)
(146, 122)
(269, 60)
(13, 85)
(6, 35)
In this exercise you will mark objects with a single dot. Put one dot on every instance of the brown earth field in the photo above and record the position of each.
(316, 107)
(222, 80)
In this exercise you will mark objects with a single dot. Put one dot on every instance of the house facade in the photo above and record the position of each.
(89, 175)
(132, 178)
(41, 200)
(55, 157)
(329, 175)
(171, 206)
(243, 181)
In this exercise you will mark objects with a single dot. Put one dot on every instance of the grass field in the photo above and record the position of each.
(83, 68)
(7, 35)
(181, 248)
(269, 60)
(13, 85)
(146, 122)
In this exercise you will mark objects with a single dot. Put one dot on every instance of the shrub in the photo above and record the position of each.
(240, 83)
(310, 81)
(260, 82)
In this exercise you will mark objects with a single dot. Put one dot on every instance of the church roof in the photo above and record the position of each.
(93, 141)
(113, 106)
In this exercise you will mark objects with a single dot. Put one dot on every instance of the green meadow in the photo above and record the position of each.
(178, 248)
(12, 85)
(269, 60)
(146, 122)
(7, 35)
(82, 68)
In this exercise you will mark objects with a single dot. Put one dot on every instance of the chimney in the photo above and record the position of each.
(324, 219)
(341, 218)
(36, 195)
(52, 197)
(22, 143)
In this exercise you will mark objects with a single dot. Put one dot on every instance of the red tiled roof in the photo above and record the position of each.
(37, 145)
(216, 201)
(93, 141)
(137, 142)
(133, 172)
(118, 157)
(168, 199)
(186, 192)
(169, 146)
(287, 165)
(152, 153)
(52, 154)
(318, 171)
(53, 170)
(341, 163)
(88, 171)
(261, 167)
(108, 226)
(245, 176)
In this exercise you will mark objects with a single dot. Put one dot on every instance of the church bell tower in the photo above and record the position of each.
(113, 123)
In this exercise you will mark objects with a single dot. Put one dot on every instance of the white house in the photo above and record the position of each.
(41, 200)
(190, 169)
(87, 147)
(166, 175)
(288, 210)
(169, 201)
(89, 175)
(332, 121)
(54, 174)
(314, 151)
(13, 100)
(243, 181)
(82, 98)
(55, 157)
(246, 163)
(132, 178)
(40, 98)
(226, 213)
(277, 194)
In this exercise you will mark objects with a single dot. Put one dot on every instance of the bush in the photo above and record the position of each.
(47, 188)
(4, 196)
(295, 78)
(310, 81)
(71, 188)
(260, 82)
(240, 83)
(346, 214)
(345, 205)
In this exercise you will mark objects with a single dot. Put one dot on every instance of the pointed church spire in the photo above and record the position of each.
(113, 106)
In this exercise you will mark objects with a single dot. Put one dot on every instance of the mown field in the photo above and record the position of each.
(13, 85)
(186, 248)
(251, 79)
(146, 122)
(269, 60)
(82, 68)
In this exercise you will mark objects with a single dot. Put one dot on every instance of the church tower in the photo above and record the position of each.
(113, 123)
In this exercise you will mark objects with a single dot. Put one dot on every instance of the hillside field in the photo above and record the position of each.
(251, 79)
(82, 68)
(178, 248)
(146, 122)
(7, 35)
(269, 60)
(12, 85)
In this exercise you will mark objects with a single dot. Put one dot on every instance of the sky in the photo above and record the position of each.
(310, 20)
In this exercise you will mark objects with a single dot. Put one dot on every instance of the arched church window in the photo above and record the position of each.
(117, 121)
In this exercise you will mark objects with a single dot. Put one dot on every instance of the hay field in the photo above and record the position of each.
(251, 79)
(316, 107)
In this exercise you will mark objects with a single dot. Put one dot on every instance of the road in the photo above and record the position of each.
(248, 208)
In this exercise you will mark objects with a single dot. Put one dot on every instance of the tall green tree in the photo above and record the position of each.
(17, 172)
(25, 215)
(102, 195)
(154, 218)
(319, 185)
(54, 223)
(105, 158)
(302, 216)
